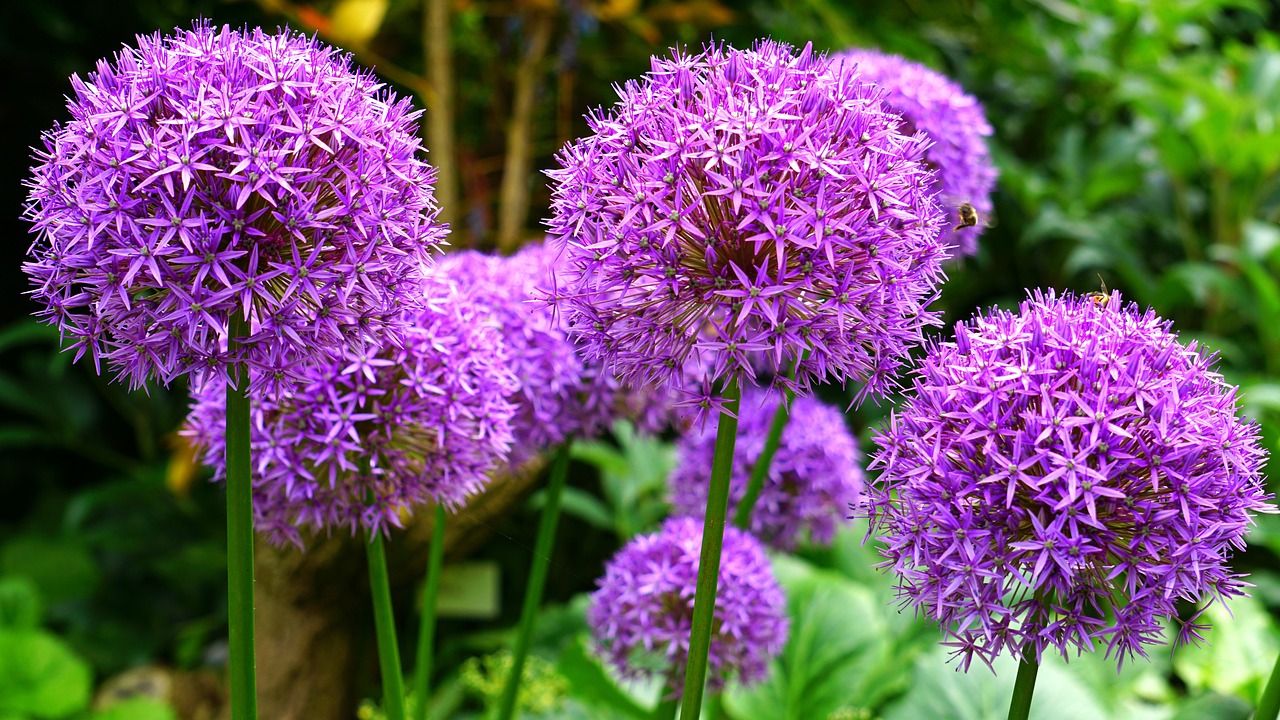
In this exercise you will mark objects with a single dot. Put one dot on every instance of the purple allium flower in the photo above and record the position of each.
(746, 206)
(813, 479)
(1063, 476)
(215, 173)
(931, 102)
(642, 614)
(362, 440)
(562, 395)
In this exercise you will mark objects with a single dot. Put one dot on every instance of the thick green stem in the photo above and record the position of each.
(704, 599)
(1269, 705)
(384, 621)
(742, 517)
(537, 581)
(240, 663)
(427, 628)
(1024, 686)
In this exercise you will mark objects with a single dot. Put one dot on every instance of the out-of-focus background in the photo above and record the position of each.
(1137, 140)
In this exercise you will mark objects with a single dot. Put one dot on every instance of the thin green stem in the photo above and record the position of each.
(1024, 686)
(537, 580)
(240, 663)
(427, 628)
(742, 518)
(1269, 705)
(704, 599)
(385, 622)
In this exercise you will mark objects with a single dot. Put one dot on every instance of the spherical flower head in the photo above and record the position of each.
(365, 438)
(1065, 476)
(813, 479)
(563, 395)
(642, 614)
(215, 174)
(739, 207)
(933, 103)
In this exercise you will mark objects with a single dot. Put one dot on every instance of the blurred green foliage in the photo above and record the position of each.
(1137, 140)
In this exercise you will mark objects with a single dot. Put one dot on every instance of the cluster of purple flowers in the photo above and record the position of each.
(216, 173)
(953, 120)
(813, 478)
(366, 437)
(738, 208)
(641, 615)
(562, 394)
(1065, 475)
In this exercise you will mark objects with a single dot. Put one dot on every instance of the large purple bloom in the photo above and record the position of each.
(562, 394)
(217, 173)
(812, 481)
(933, 103)
(362, 440)
(739, 208)
(642, 614)
(1063, 476)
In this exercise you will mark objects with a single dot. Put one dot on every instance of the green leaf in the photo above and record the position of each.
(591, 685)
(1238, 653)
(61, 569)
(580, 504)
(1218, 707)
(20, 607)
(137, 708)
(941, 692)
(840, 651)
(40, 676)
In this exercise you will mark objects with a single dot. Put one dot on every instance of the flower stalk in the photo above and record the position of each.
(712, 540)
(427, 628)
(537, 580)
(1024, 686)
(742, 517)
(241, 666)
(385, 624)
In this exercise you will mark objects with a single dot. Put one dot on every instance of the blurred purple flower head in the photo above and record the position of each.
(814, 477)
(1063, 476)
(739, 207)
(562, 396)
(931, 102)
(218, 172)
(364, 439)
(642, 614)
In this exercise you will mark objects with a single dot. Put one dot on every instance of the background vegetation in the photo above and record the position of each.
(1138, 140)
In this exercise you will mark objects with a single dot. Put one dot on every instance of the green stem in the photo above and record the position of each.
(240, 663)
(537, 580)
(385, 622)
(742, 518)
(1269, 705)
(427, 629)
(1024, 686)
(704, 599)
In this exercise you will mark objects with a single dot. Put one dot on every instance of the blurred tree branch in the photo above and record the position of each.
(438, 60)
(513, 198)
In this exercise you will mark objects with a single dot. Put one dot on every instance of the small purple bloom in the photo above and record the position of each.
(218, 173)
(744, 208)
(814, 477)
(361, 441)
(562, 394)
(933, 103)
(1065, 476)
(642, 614)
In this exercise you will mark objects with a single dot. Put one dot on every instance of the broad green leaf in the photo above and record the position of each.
(1238, 653)
(940, 691)
(592, 686)
(61, 569)
(137, 708)
(835, 654)
(20, 607)
(40, 676)
(1217, 707)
